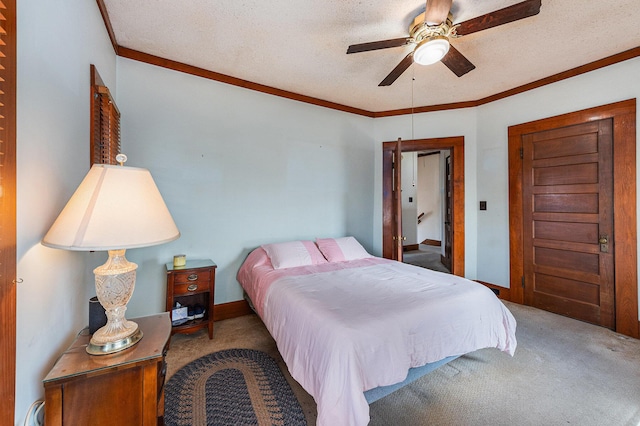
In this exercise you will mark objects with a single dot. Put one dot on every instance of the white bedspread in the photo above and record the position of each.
(342, 332)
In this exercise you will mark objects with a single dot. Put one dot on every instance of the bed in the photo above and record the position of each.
(352, 327)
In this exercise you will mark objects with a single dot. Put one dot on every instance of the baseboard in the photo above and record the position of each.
(410, 247)
(230, 310)
(428, 242)
(502, 292)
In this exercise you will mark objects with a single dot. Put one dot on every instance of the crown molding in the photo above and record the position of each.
(223, 78)
(107, 24)
(227, 79)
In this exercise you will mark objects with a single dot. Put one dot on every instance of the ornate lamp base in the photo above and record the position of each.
(115, 281)
(119, 345)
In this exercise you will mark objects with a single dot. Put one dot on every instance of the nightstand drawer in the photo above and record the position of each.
(192, 277)
(192, 287)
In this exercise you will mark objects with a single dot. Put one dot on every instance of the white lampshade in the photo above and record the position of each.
(115, 207)
(431, 50)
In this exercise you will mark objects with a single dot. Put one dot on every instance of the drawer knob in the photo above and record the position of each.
(192, 287)
(192, 277)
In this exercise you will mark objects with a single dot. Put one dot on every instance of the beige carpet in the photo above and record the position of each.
(564, 372)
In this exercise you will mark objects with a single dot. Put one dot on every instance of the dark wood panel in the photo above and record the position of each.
(116, 405)
(568, 307)
(565, 132)
(584, 144)
(566, 189)
(586, 262)
(575, 290)
(567, 245)
(569, 203)
(559, 161)
(566, 217)
(572, 174)
(566, 231)
(575, 275)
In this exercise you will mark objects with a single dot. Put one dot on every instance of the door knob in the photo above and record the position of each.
(604, 243)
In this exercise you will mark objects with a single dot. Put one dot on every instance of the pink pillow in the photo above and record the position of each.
(293, 253)
(341, 249)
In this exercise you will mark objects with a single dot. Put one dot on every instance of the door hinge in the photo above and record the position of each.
(523, 281)
(521, 153)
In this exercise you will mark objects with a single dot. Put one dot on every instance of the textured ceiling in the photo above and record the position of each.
(300, 46)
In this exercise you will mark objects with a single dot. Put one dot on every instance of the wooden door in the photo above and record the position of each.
(446, 258)
(568, 246)
(397, 201)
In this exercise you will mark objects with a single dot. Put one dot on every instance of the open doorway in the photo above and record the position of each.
(425, 211)
(392, 212)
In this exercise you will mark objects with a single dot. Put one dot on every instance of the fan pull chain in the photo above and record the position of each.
(413, 163)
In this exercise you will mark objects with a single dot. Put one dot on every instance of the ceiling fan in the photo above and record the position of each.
(431, 31)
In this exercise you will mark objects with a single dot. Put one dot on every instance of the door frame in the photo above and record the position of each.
(624, 201)
(8, 234)
(456, 146)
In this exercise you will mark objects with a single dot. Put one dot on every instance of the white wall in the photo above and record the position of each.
(486, 146)
(430, 201)
(57, 41)
(409, 183)
(237, 169)
(614, 83)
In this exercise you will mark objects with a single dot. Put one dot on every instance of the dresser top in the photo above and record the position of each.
(75, 361)
(191, 264)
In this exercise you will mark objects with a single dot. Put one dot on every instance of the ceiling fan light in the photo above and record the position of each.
(431, 50)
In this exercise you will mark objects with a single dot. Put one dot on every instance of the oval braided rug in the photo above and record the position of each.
(231, 387)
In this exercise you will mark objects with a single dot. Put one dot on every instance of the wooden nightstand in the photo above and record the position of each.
(191, 285)
(124, 388)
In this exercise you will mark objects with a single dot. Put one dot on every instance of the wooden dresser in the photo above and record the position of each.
(124, 388)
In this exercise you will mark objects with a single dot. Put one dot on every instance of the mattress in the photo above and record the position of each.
(344, 328)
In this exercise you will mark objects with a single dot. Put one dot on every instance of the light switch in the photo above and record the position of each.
(483, 205)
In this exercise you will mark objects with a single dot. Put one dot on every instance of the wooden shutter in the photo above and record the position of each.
(7, 210)
(105, 123)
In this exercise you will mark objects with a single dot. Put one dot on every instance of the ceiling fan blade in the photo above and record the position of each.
(500, 17)
(398, 70)
(456, 62)
(375, 45)
(437, 11)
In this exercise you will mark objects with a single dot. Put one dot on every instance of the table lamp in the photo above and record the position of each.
(115, 208)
